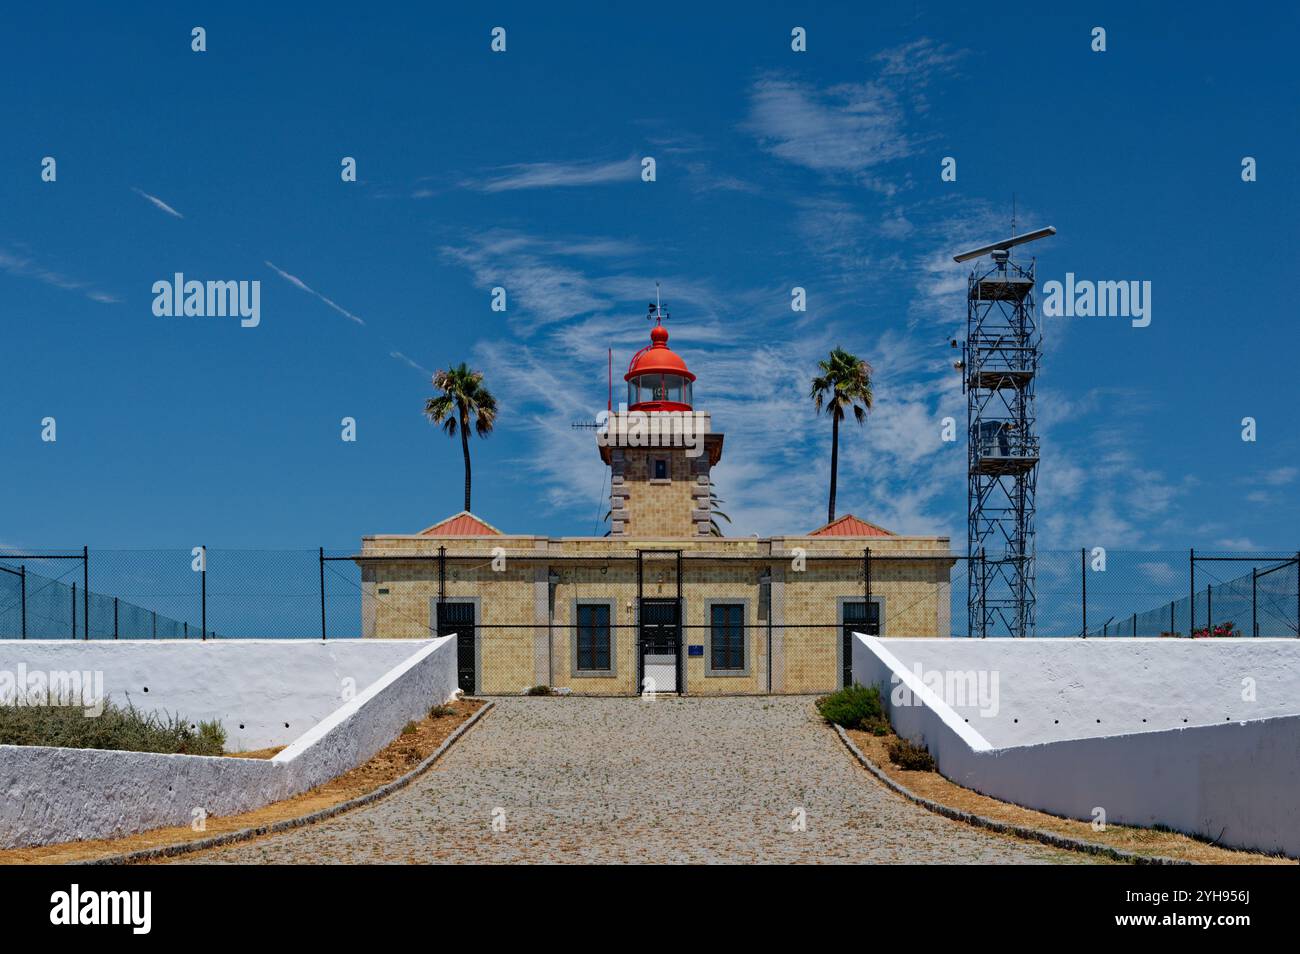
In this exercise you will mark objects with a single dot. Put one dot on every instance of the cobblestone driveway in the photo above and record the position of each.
(625, 780)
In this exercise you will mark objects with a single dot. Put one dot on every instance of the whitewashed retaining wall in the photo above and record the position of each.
(1229, 772)
(51, 795)
(264, 692)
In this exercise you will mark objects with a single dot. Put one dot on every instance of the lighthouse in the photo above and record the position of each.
(659, 448)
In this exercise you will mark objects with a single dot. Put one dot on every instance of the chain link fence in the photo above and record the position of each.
(602, 617)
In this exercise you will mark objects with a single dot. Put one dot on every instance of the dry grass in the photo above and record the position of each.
(256, 753)
(121, 728)
(394, 761)
(1144, 841)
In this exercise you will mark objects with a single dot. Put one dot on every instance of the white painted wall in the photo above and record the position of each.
(1052, 689)
(265, 692)
(1233, 779)
(54, 795)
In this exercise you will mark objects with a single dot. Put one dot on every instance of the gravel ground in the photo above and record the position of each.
(626, 780)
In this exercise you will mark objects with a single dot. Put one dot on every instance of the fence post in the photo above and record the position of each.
(442, 576)
(1191, 603)
(1134, 629)
(186, 629)
(866, 578)
(203, 594)
(155, 623)
(1171, 617)
(1083, 570)
(984, 579)
(115, 617)
(85, 590)
(1209, 609)
(322, 593)
(1254, 601)
(1297, 593)
(22, 584)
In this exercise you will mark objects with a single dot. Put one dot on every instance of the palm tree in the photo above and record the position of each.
(462, 395)
(714, 500)
(844, 382)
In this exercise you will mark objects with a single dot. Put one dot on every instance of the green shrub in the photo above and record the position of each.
(212, 737)
(539, 691)
(441, 711)
(909, 755)
(118, 728)
(410, 729)
(854, 707)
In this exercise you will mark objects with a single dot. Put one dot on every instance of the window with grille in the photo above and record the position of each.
(727, 636)
(593, 637)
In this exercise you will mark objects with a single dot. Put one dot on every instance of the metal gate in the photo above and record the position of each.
(858, 618)
(458, 618)
(661, 645)
(659, 630)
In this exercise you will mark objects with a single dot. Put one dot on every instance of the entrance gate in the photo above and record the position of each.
(862, 618)
(458, 618)
(659, 629)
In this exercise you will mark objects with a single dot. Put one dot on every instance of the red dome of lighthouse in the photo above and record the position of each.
(657, 378)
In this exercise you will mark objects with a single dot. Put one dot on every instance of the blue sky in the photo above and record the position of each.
(521, 169)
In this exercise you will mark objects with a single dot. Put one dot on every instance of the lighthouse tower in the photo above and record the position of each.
(659, 448)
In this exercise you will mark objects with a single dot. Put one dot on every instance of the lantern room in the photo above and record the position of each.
(657, 379)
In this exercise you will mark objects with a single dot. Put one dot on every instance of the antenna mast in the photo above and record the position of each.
(999, 368)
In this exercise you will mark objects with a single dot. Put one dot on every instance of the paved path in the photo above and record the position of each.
(625, 780)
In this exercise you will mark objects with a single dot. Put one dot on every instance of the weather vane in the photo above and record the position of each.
(655, 310)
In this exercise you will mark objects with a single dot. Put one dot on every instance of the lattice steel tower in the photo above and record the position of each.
(999, 366)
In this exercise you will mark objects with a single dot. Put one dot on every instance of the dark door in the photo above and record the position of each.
(660, 645)
(458, 618)
(859, 617)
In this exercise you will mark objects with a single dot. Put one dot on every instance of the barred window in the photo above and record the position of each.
(727, 636)
(593, 637)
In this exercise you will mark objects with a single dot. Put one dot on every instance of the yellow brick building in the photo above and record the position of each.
(663, 602)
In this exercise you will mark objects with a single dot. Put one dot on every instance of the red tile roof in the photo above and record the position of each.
(850, 526)
(463, 524)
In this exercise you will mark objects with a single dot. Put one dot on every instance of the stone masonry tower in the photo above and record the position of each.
(658, 448)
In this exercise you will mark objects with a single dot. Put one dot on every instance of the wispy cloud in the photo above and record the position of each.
(549, 175)
(775, 473)
(303, 286)
(24, 266)
(397, 355)
(157, 202)
(918, 62)
(848, 129)
(542, 284)
(1279, 476)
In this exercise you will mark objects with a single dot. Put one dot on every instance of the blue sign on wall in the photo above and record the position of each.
(695, 650)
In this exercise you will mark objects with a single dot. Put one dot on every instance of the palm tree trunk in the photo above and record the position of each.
(464, 446)
(835, 464)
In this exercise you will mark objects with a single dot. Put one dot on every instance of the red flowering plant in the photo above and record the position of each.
(1224, 629)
